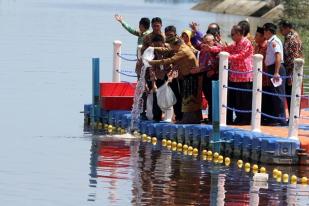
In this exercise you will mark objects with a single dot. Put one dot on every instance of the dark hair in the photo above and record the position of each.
(145, 22)
(157, 38)
(170, 28)
(260, 30)
(156, 20)
(270, 27)
(216, 25)
(213, 31)
(245, 27)
(238, 29)
(285, 24)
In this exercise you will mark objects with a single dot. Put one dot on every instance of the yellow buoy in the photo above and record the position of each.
(275, 173)
(163, 142)
(247, 165)
(110, 126)
(174, 148)
(216, 155)
(148, 139)
(100, 126)
(247, 169)
(195, 151)
(304, 180)
(144, 136)
(285, 178)
(204, 152)
(255, 167)
(293, 179)
(185, 152)
(174, 144)
(220, 159)
(168, 142)
(154, 140)
(190, 148)
(185, 147)
(179, 146)
(240, 163)
(262, 170)
(119, 129)
(278, 179)
(209, 153)
(227, 161)
(279, 174)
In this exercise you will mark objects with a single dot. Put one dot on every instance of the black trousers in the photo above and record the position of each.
(240, 100)
(277, 103)
(207, 90)
(177, 87)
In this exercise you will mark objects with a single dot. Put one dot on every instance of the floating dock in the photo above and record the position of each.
(110, 113)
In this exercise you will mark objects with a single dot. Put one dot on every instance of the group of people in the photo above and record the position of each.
(189, 63)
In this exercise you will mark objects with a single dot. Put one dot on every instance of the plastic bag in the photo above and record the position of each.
(148, 55)
(166, 97)
(149, 106)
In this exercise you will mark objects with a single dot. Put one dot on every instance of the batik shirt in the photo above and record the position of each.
(292, 49)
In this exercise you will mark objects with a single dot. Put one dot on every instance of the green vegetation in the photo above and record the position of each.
(297, 12)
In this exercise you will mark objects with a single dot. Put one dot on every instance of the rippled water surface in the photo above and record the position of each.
(46, 158)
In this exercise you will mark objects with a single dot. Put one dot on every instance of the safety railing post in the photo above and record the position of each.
(257, 92)
(116, 61)
(95, 113)
(296, 98)
(223, 81)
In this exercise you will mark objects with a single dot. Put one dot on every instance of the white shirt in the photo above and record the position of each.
(274, 45)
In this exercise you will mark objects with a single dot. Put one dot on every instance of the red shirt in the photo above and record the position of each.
(240, 59)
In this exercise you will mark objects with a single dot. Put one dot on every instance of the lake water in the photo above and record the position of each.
(47, 158)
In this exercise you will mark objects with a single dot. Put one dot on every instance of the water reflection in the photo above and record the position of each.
(145, 174)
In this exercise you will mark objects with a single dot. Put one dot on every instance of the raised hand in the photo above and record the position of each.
(118, 18)
(194, 26)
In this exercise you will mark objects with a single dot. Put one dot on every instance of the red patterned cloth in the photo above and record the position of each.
(209, 63)
(240, 59)
(261, 49)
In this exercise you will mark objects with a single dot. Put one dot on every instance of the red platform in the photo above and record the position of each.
(117, 96)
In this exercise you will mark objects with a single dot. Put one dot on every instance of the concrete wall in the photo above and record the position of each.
(241, 7)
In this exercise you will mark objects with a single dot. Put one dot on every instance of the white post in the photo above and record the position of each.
(139, 51)
(295, 98)
(116, 61)
(223, 77)
(257, 92)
